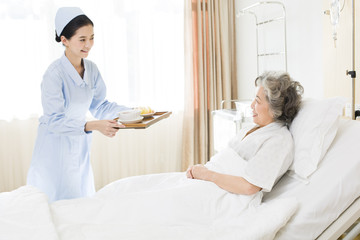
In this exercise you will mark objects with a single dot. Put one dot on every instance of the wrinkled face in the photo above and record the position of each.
(262, 114)
(81, 43)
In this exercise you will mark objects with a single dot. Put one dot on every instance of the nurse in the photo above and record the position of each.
(71, 86)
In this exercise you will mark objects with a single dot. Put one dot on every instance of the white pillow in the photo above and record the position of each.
(313, 130)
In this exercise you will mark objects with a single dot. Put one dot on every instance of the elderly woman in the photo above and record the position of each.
(267, 148)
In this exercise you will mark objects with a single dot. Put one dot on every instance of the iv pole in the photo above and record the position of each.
(353, 72)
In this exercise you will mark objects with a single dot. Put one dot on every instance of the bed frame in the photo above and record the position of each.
(342, 223)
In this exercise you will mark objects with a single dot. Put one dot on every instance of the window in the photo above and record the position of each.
(138, 48)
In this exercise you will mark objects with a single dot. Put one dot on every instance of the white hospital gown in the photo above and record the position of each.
(60, 165)
(261, 158)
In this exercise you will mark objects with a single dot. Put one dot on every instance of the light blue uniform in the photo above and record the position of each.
(60, 164)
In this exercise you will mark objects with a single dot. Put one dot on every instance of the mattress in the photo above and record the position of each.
(331, 189)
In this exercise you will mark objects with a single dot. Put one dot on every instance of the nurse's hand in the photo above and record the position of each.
(107, 127)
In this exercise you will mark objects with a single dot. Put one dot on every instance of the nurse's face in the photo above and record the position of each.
(80, 44)
(262, 114)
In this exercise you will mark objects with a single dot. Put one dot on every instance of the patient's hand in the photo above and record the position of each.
(198, 172)
(188, 172)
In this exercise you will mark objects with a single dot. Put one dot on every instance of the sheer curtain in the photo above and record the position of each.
(210, 72)
(139, 49)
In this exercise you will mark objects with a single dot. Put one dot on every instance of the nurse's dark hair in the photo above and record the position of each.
(282, 93)
(71, 28)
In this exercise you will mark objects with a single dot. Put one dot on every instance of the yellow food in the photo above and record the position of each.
(145, 110)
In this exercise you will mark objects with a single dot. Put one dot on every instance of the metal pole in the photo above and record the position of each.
(353, 57)
(352, 73)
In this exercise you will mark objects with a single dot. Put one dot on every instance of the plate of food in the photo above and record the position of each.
(147, 115)
(146, 112)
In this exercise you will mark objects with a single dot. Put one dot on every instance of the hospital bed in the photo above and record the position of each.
(321, 206)
(329, 203)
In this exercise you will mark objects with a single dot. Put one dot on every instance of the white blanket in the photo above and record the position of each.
(173, 208)
(25, 214)
(157, 206)
(168, 206)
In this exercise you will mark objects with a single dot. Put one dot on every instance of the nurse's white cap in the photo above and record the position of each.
(64, 15)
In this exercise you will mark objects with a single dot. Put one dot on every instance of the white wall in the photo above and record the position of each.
(339, 59)
(304, 47)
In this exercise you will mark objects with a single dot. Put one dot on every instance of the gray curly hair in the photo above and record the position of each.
(282, 93)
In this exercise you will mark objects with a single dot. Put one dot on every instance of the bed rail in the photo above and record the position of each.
(343, 223)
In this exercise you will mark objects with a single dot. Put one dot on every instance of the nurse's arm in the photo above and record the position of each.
(107, 127)
(101, 108)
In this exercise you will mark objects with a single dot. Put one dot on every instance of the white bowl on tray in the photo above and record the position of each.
(130, 114)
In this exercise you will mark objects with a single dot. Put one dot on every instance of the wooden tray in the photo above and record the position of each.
(146, 122)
